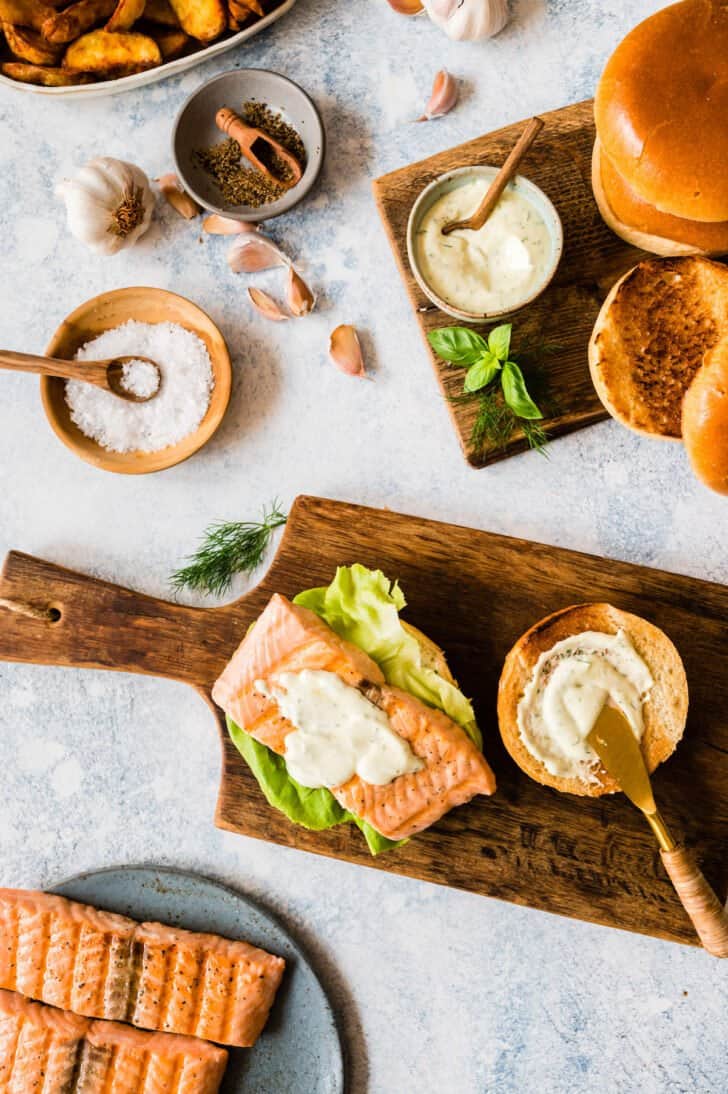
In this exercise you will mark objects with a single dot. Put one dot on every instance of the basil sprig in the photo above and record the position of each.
(485, 359)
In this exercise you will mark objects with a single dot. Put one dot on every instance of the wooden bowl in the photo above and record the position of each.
(110, 310)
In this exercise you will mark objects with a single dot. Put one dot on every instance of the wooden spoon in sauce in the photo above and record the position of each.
(108, 374)
(501, 180)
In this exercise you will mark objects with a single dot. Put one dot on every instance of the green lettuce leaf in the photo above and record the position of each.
(363, 607)
(314, 809)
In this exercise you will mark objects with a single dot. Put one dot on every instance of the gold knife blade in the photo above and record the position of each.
(617, 747)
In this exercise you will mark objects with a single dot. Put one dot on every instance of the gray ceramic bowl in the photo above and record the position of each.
(195, 128)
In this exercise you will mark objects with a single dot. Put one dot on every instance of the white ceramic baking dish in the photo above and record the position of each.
(171, 68)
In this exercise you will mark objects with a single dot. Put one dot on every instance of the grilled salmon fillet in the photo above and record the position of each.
(290, 638)
(103, 965)
(49, 1051)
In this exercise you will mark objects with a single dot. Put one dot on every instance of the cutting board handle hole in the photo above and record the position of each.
(47, 613)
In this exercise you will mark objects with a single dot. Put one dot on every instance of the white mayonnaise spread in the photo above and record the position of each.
(492, 270)
(568, 687)
(339, 732)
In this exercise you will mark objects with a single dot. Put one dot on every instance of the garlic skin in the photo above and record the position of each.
(467, 20)
(266, 305)
(254, 252)
(300, 299)
(109, 204)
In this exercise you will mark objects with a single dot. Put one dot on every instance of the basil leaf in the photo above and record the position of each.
(457, 344)
(482, 372)
(516, 394)
(499, 341)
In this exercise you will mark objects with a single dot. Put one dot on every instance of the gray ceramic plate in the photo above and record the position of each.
(299, 1051)
(195, 128)
(151, 75)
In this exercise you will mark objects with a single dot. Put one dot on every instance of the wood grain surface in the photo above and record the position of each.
(474, 593)
(560, 163)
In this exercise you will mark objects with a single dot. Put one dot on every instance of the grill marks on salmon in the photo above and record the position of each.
(289, 638)
(49, 1051)
(103, 965)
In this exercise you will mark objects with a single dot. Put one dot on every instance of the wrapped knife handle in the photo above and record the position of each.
(709, 917)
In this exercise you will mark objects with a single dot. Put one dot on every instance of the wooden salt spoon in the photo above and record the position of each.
(248, 137)
(501, 180)
(106, 374)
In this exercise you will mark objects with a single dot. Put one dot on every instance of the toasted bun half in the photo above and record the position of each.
(705, 420)
(644, 226)
(661, 109)
(432, 656)
(664, 712)
(650, 337)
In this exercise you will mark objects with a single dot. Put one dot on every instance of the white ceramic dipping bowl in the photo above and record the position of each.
(520, 185)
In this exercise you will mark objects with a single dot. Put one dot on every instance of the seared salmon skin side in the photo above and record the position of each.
(289, 638)
(103, 965)
(50, 1051)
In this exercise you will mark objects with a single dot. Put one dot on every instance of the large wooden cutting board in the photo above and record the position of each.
(474, 593)
(560, 163)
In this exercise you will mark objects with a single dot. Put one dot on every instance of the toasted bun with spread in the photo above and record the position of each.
(433, 657)
(651, 336)
(643, 225)
(661, 108)
(664, 712)
(705, 420)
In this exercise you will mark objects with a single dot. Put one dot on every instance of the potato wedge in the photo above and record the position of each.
(201, 19)
(172, 42)
(46, 77)
(126, 14)
(253, 6)
(28, 45)
(107, 54)
(66, 26)
(160, 11)
(25, 13)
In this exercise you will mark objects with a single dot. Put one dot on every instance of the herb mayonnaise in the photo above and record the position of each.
(567, 689)
(494, 269)
(339, 732)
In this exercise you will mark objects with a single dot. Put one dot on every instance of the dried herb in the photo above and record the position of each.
(228, 548)
(238, 181)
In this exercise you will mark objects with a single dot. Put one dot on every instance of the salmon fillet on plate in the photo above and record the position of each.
(48, 1051)
(102, 965)
(289, 638)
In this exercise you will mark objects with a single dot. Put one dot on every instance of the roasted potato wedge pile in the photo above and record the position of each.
(57, 43)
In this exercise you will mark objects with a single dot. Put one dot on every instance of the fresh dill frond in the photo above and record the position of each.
(494, 422)
(535, 435)
(228, 548)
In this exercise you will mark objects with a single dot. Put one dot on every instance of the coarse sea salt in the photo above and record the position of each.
(139, 378)
(180, 406)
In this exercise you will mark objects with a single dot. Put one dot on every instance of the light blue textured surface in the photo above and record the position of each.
(439, 991)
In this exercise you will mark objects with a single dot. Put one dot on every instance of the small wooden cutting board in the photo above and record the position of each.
(563, 316)
(474, 593)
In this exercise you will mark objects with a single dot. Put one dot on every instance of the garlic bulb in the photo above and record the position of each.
(468, 19)
(109, 204)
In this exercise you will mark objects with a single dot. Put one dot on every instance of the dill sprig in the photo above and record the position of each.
(228, 548)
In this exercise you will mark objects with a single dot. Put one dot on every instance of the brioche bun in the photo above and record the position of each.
(433, 657)
(664, 712)
(650, 338)
(661, 108)
(705, 420)
(644, 226)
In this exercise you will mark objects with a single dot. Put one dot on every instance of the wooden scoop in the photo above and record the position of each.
(501, 180)
(617, 747)
(254, 143)
(106, 374)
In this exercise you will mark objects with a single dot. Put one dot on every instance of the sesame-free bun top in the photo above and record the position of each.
(664, 712)
(651, 337)
(662, 107)
(705, 420)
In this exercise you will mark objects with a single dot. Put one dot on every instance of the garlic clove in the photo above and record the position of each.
(301, 300)
(180, 201)
(252, 253)
(443, 98)
(406, 7)
(226, 226)
(345, 350)
(266, 305)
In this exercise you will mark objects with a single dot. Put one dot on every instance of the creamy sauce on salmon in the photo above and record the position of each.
(568, 687)
(338, 732)
(490, 270)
